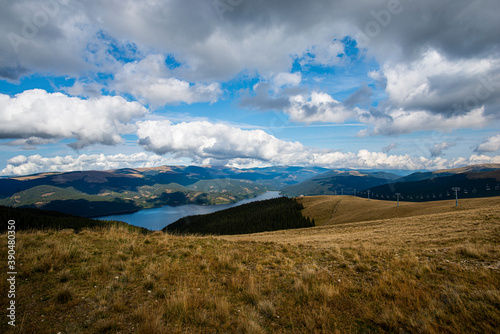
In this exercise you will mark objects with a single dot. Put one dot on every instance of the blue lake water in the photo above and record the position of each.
(158, 218)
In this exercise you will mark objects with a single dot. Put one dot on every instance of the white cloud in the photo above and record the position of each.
(284, 79)
(441, 85)
(38, 114)
(208, 143)
(477, 159)
(318, 107)
(492, 144)
(205, 141)
(150, 81)
(399, 122)
(25, 165)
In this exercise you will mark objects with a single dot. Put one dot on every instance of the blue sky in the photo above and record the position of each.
(338, 84)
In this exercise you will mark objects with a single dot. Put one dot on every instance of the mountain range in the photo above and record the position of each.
(102, 193)
(473, 181)
(470, 182)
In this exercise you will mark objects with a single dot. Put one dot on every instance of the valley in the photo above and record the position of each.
(103, 193)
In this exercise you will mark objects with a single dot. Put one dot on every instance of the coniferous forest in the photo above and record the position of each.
(36, 219)
(269, 215)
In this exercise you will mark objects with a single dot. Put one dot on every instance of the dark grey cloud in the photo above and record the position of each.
(12, 73)
(256, 35)
(457, 29)
(45, 36)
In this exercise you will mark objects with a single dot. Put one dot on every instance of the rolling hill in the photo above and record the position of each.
(333, 210)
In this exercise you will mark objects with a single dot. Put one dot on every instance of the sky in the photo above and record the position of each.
(366, 84)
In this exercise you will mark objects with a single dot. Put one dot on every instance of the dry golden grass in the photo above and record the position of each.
(431, 274)
(331, 210)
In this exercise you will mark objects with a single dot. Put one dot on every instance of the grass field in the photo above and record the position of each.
(417, 273)
(330, 210)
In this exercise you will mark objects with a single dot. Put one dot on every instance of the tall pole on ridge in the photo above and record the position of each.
(456, 190)
(397, 194)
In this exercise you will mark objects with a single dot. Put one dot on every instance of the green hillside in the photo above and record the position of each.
(269, 215)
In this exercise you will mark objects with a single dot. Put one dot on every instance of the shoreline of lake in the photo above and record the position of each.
(158, 218)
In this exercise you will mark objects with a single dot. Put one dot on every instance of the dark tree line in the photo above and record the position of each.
(269, 215)
(36, 219)
(436, 189)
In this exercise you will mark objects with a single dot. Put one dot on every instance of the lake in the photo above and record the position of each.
(158, 218)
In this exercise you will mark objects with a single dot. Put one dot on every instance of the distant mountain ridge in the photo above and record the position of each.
(339, 182)
(102, 193)
(98, 193)
(472, 181)
(475, 181)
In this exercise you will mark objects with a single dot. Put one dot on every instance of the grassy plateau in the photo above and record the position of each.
(366, 268)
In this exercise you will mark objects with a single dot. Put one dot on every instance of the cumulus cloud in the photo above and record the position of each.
(318, 107)
(25, 165)
(209, 142)
(293, 154)
(281, 94)
(39, 114)
(441, 85)
(477, 159)
(397, 122)
(492, 144)
(150, 81)
(284, 79)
